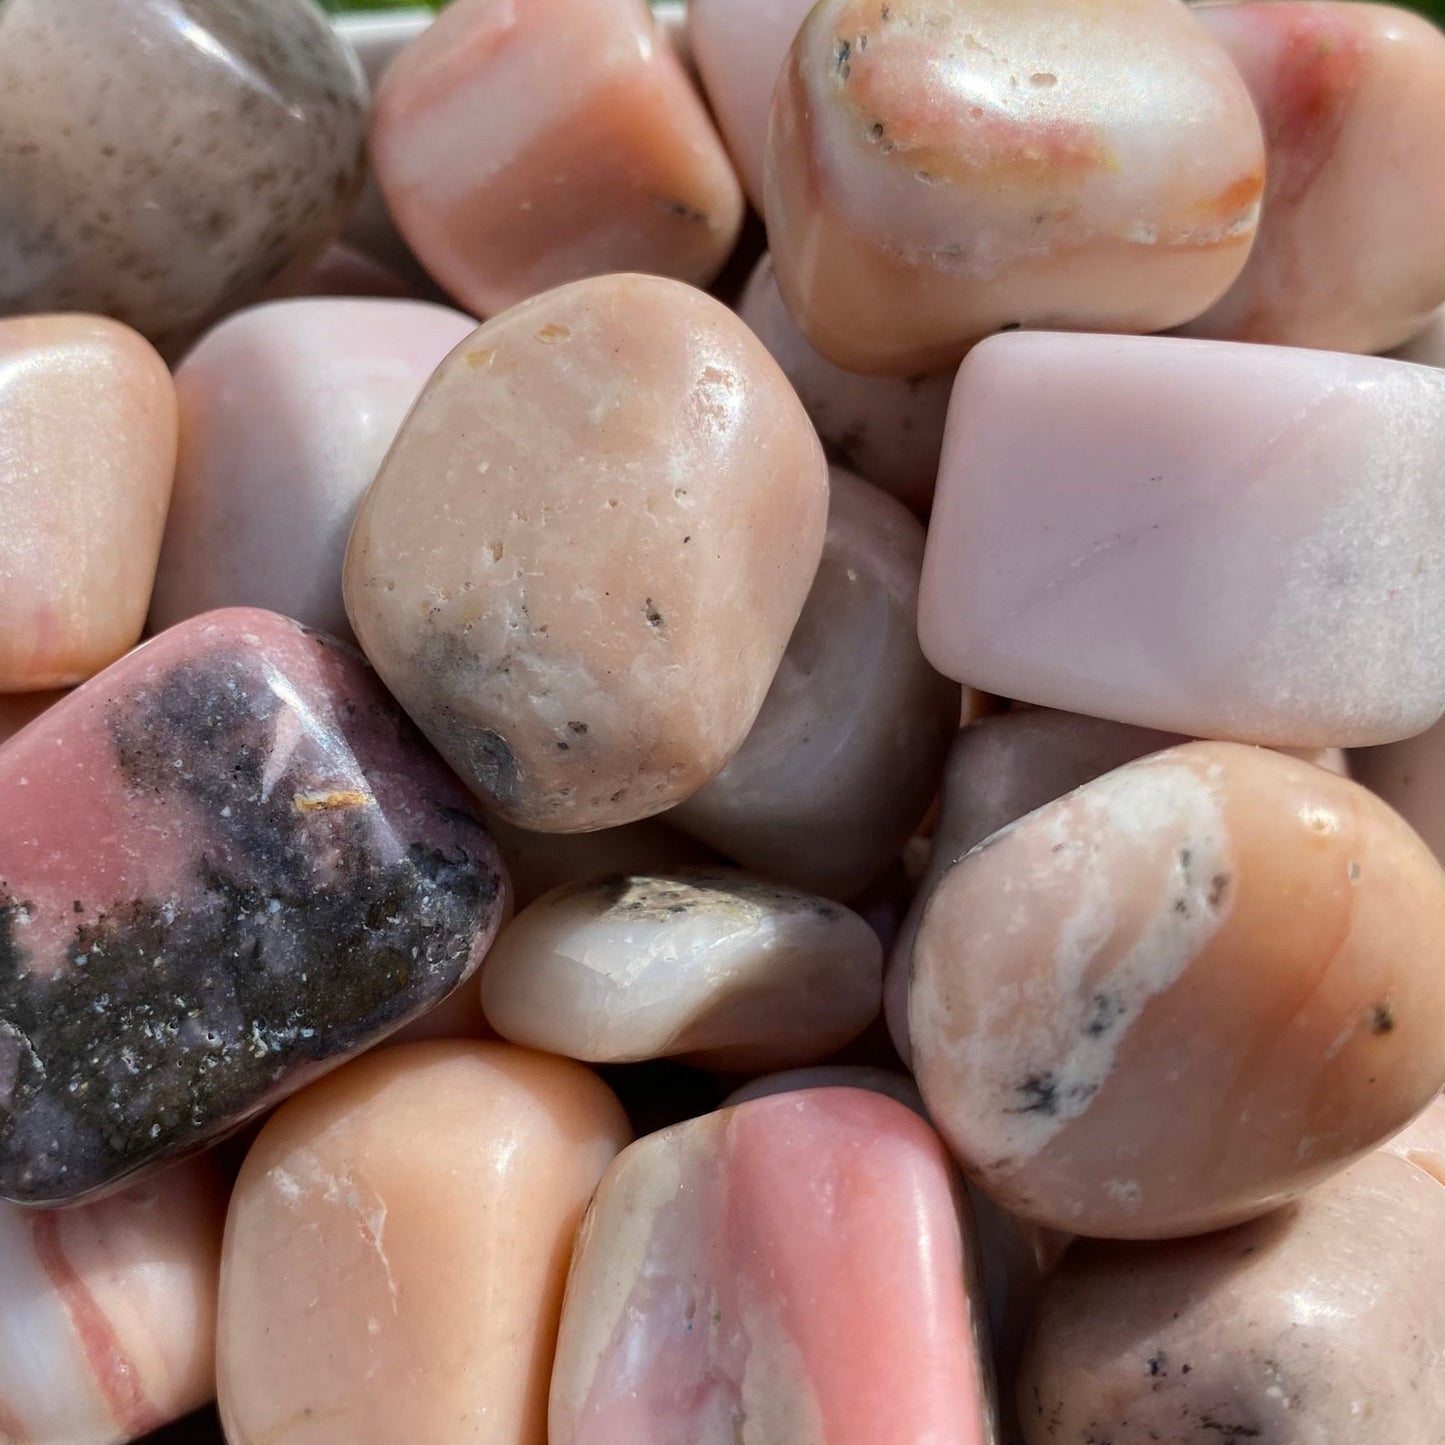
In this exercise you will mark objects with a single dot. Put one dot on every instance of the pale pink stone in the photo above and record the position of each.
(888, 429)
(87, 456)
(287, 410)
(739, 47)
(523, 146)
(939, 171)
(795, 1269)
(1352, 99)
(1217, 539)
(108, 1310)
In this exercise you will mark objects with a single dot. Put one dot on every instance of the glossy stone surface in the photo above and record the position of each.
(888, 429)
(1352, 98)
(813, 1244)
(844, 757)
(740, 47)
(87, 455)
(725, 970)
(276, 873)
(579, 566)
(937, 172)
(1182, 994)
(1321, 1323)
(397, 1249)
(1167, 532)
(108, 1311)
(219, 141)
(520, 147)
(287, 410)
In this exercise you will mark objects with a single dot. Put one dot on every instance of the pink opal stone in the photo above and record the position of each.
(108, 1310)
(276, 872)
(888, 429)
(520, 147)
(1216, 539)
(87, 456)
(287, 410)
(739, 47)
(1352, 99)
(795, 1269)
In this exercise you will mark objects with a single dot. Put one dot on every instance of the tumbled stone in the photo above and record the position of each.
(276, 873)
(108, 1311)
(739, 47)
(1352, 99)
(725, 970)
(793, 1269)
(20, 709)
(287, 410)
(579, 566)
(888, 429)
(397, 1249)
(845, 756)
(937, 172)
(88, 414)
(520, 147)
(1167, 532)
(1182, 994)
(219, 141)
(1321, 1323)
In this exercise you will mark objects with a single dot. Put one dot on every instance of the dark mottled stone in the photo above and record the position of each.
(161, 161)
(226, 864)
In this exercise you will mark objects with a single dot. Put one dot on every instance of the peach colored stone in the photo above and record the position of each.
(725, 970)
(87, 455)
(287, 410)
(523, 146)
(20, 709)
(845, 756)
(1168, 532)
(579, 566)
(938, 171)
(740, 46)
(888, 429)
(1182, 994)
(1318, 1325)
(795, 1269)
(397, 1248)
(108, 1310)
(1352, 99)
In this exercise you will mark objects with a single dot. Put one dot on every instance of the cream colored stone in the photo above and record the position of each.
(724, 970)
(87, 457)
(397, 1249)
(845, 756)
(579, 566)
(1182, 994)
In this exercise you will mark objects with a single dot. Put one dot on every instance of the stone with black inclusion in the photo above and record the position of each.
(226, 865)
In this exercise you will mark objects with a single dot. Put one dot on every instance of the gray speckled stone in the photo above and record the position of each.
(162, 160)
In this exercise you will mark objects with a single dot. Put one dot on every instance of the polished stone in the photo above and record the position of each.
(1320, 1324)
(1181, 995)
(397, 1248)
(579, 566)
(793, 1269)
(937, 172)
(1169, 532)
(287, 410)
(87, 456)
(721, 969)
(108, 1310)
(1352, 98)
(888, 429)
(275, 874)
(520, 147)
(845, 756)
(161, 161)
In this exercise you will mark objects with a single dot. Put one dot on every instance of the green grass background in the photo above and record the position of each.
(1435, 9)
